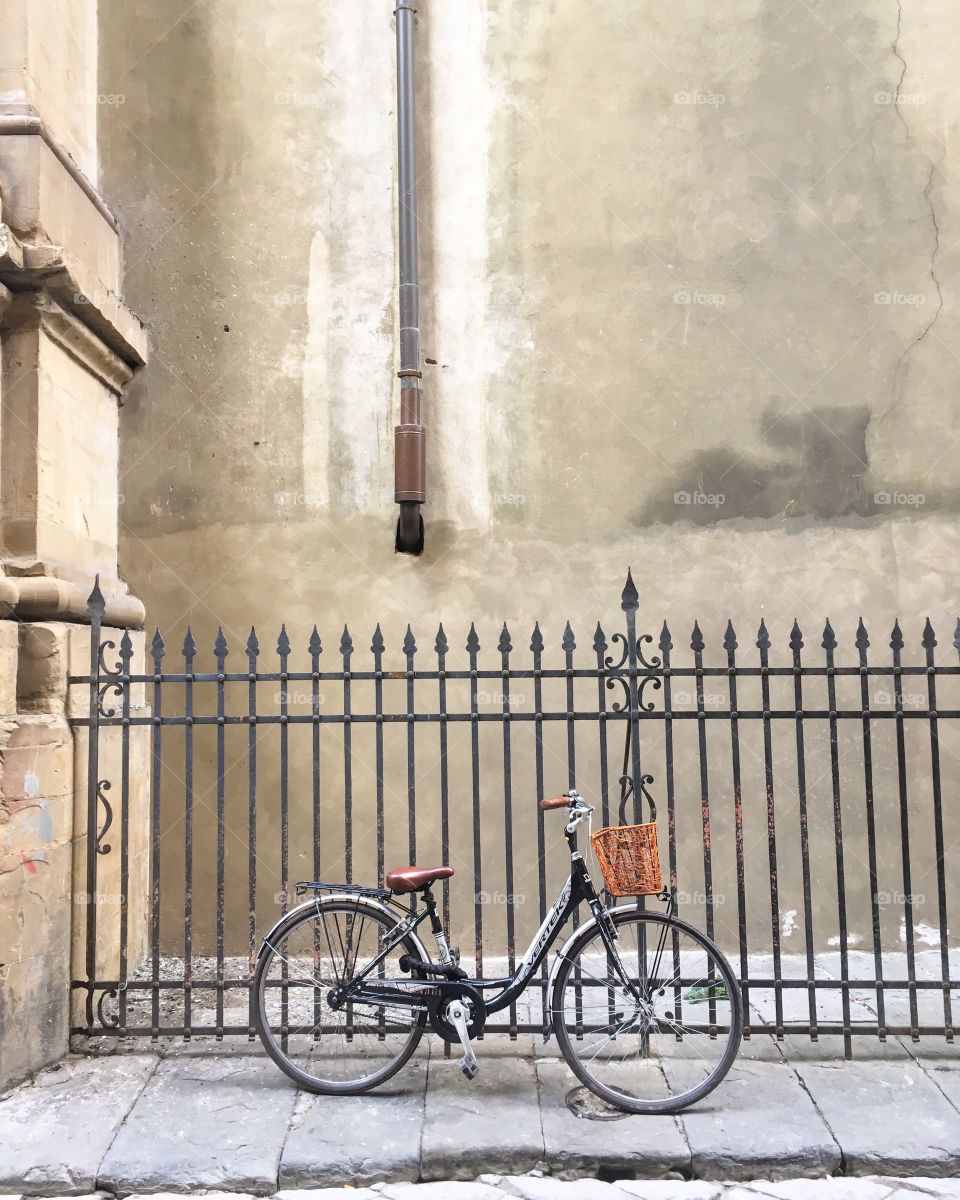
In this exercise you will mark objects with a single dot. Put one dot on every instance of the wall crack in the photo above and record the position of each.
(901, 365)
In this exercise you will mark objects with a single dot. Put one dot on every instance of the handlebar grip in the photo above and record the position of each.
(555, 802)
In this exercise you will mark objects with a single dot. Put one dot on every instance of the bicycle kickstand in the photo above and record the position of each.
(457, 1016)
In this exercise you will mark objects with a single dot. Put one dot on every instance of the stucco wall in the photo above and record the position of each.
(689, 303)
(665, 255)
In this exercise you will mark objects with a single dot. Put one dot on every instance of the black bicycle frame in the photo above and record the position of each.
(578, 888)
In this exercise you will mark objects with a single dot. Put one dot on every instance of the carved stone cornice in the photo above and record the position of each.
(39, 309)
(29, 268)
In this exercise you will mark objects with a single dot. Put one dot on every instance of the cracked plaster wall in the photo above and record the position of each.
(689, 303)
(705, 254)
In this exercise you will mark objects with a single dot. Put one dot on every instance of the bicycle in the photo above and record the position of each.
(645, 1008)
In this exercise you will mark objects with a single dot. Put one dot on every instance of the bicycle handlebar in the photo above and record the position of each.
(555, 802)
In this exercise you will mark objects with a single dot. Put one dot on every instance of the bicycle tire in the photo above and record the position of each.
(298, 920)
(621, 1098)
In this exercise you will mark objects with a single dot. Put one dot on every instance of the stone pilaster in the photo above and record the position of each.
(68, 347)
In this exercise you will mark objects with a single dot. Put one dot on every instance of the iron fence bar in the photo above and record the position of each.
(796, 646)
(730, 646)
(346, 652)
(157, 652)
(472, 647)
(220, 651)
(929, 642)
(790, 1027)
(789, 715)
(896, 645)
(536, 647)
(763, 982)
(189, 652)
(547, 673)
(629, 604)
(315, 648)
(126, 654)
(253, 652)
(409, 650)
(862, 644)
(763, 644)
(830, 644)
(697, 646)
(568, 645)
(441, 646)
(96, 610)
(283, 653)
(505, 646)
(666, 646)
(600, 648)
(377, 648)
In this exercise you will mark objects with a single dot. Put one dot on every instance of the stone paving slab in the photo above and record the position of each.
(760, 1122)
(829, 1048)
(203, 1121)
(946, 1077)
(886, 1115)
(358, 1139)
(233, 1122)
(641, 1145)
(472, 1126)
(55, 1130)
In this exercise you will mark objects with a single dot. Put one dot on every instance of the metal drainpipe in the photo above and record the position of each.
(409, 435)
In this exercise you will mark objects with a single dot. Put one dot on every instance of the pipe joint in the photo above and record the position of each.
(410, 466)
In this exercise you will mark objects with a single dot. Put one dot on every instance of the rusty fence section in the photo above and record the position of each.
(806, 795)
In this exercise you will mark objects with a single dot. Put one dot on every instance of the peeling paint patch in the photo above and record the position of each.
(31, 784)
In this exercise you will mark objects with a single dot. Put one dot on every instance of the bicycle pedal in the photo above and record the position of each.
(470, 1069)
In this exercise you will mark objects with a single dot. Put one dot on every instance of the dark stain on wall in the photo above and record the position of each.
(804, 462)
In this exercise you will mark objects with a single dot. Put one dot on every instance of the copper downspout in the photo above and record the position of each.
(409, 435)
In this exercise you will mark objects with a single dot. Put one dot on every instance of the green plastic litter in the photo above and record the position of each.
(700, 995)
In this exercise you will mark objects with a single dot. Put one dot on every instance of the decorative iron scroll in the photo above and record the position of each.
(97, 1016)
(104, 786)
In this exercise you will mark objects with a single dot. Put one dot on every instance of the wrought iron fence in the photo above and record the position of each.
(806, 806)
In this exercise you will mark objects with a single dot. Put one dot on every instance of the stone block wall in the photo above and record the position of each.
(68, 346)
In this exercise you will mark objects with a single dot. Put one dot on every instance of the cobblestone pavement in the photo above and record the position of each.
(218, 1118)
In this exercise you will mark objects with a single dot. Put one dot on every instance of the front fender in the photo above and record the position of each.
(319, 901)
(561, 956)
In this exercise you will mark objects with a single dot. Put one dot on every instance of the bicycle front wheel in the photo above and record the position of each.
(323, 1045)
(654, 1025)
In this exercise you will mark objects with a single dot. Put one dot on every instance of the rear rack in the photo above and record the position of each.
(316, 885)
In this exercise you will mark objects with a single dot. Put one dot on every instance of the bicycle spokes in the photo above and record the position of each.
(315, 1018)
(651, 1019)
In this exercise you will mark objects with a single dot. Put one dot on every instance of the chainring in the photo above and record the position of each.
(474, 1001)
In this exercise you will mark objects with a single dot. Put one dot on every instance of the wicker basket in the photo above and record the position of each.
(629, 859)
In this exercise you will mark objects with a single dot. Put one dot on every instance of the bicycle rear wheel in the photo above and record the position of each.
(668, 1038)
(342, 1049)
